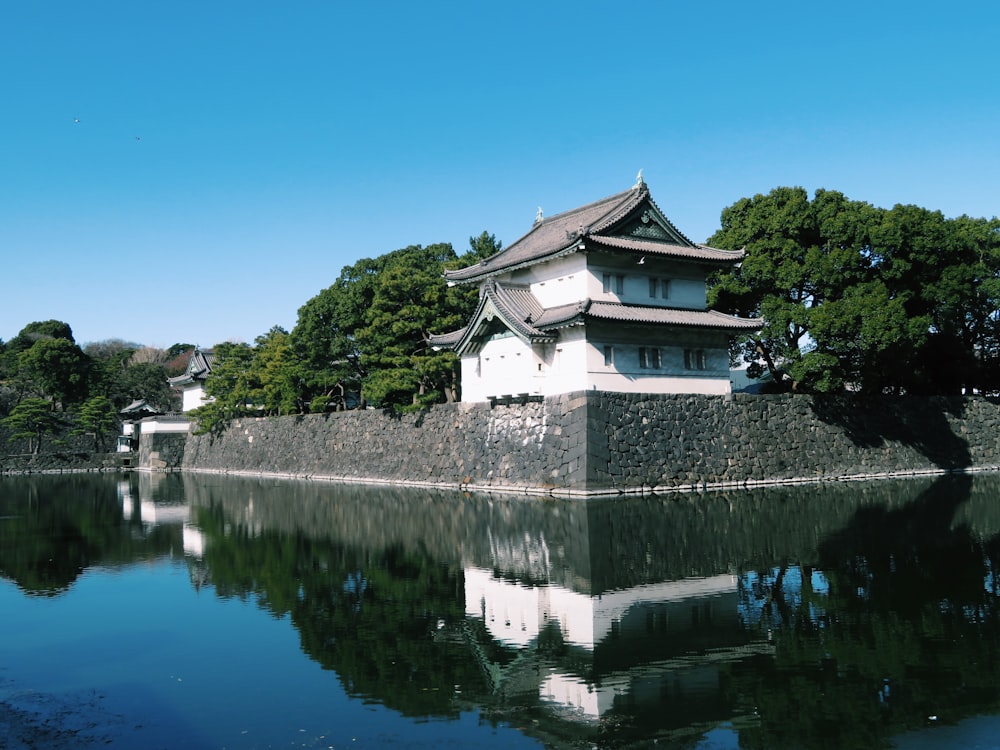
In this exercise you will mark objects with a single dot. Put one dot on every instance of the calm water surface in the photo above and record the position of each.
(168, 611)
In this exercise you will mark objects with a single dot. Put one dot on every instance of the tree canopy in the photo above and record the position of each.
(368, 331)
(43, 371)
(898, 300)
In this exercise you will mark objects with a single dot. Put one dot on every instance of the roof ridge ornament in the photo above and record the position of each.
(539, 216)
(638, 181)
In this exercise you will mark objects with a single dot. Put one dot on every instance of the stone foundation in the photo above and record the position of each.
(592, 443)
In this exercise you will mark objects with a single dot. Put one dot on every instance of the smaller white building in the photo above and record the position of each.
(191, 383)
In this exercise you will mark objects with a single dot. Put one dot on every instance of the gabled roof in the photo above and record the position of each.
(519, 311)
(629, 222)
(515, 307)
(139, 408)
(199, 366)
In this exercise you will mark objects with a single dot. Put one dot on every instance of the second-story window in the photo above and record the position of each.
(614, 282)
(694, 359)
(659, 288)
(609, 355)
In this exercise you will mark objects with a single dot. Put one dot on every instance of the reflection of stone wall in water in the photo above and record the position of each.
(60, 452)
(607, 442)
(585, 547)
(162, 451)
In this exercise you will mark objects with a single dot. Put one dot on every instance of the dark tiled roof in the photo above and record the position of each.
(199, 366)
(446, 340)
(594, 223)
(663, 249)
(556, 317)
(670, 316)
(523, 314)
(516, 306)
(139, 407)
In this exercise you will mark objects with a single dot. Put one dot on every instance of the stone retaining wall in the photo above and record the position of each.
(603, 443)
(61, 452)
(539, 445)
(688, 441)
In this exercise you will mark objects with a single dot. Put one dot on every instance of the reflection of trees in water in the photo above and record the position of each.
(901, 625)
(383, 620)
(53, 528)
(879, 599)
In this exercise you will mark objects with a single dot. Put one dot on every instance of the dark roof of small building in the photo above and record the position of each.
(602, 223)
(199, 367)
(140, 407)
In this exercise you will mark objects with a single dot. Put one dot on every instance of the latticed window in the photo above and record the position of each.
(659, 288)
(614, 282)
(694, 359)
(649, 358)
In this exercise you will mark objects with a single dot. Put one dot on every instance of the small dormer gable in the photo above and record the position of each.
(648, 223)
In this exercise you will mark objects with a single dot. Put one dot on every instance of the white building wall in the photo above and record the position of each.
(565, 363)
(561, 282)
(624, 375)
(509, 366)
(152, 425)
(682, 292)
(503, 366)
(192, 398)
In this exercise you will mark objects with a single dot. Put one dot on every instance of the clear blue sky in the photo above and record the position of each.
(230, 158)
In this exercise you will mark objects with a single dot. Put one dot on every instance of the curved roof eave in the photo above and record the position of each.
(700, 253)
(671, 316)
(488, 273)
(498, 303)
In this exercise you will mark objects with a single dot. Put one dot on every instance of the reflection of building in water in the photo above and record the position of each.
(143, 504)
(515, 614)
(647, 646)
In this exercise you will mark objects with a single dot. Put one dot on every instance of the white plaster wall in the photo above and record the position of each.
(192, 398)
(154, 425)
(661, 384)
(625, 376)
(561, 282)
(504, 366)
(565, 365)
(508, 366)
(684, 292)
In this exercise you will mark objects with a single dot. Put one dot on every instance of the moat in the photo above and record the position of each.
(204, 611)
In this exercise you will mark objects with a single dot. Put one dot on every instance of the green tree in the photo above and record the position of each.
(55, 368)
(32, 419)
(275, 374)
(109, 359)
(481, 246)
(410, 300)
(96, 416)
(323, 337)
(369, 330)
(146, 381)
(28, 337)
(899, 300)
(229, 387)
(774, 282)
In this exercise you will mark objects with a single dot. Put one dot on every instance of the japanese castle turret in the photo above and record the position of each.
(610, 296)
